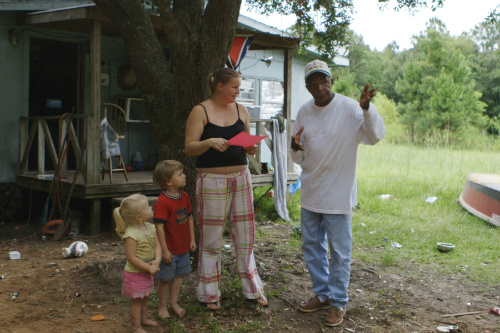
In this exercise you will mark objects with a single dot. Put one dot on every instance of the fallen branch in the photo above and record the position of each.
(461, 314)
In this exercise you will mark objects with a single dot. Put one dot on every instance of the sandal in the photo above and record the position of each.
(262, 300)
(215, 305)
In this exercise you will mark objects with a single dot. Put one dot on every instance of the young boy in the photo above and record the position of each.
(175, 229)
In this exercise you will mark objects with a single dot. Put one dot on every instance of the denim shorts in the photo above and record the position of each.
(178, 267)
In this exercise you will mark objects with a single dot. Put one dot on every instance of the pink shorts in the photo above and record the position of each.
(137, 285)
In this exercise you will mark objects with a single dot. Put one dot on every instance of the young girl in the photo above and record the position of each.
(143, 253)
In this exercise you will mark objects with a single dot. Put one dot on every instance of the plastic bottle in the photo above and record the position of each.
(137, 161)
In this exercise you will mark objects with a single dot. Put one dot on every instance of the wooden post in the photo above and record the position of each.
(93, 130)
(41, 150)
(95, 216)
(287, 109)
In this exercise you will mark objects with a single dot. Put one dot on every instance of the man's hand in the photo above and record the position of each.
(296, 140)
(366, 96)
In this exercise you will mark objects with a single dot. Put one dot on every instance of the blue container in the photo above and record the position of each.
(137, 162)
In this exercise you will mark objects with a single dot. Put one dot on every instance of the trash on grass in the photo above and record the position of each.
(13, 255)
(447, 328)
(76, 249)
(431, 199)
(396, 245)
(385, 196)
(227, 247)
(98, 317)
(496, 309)
(297, 230)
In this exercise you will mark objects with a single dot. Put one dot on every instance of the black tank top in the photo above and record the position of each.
(234, 155)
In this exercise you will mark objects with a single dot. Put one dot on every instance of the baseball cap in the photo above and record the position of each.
(316, 66)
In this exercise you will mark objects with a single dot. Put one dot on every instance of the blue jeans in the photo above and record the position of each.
(330, 282)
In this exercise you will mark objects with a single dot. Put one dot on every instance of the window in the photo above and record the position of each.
(272, 95)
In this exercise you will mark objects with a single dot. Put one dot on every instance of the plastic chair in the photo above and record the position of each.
(117, 119)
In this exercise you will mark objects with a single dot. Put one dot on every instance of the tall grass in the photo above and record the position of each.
(411, 175)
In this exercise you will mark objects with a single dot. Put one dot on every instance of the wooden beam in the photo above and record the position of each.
(95, 216)
(93, 128)
(41, 150)
(287, 103)
(24, 161)
(50, 144)
(65, 14)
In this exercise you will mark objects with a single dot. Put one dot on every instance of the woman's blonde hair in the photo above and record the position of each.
(129, 208)
(164, 171)
(223, 76)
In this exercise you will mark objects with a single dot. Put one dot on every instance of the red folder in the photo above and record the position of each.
(246, 140)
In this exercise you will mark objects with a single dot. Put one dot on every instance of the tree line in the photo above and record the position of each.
(444, 90)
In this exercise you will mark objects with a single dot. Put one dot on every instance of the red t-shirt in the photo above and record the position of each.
(174, 212)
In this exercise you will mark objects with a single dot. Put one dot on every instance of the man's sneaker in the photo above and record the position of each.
(335, 316)
(314, 304)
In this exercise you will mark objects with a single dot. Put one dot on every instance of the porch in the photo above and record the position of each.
(42, 137)
(55, 144)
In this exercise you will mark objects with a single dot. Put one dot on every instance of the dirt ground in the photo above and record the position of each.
(60, 295)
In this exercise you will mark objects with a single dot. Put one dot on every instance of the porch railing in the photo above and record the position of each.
(38, 127)
(32, 127)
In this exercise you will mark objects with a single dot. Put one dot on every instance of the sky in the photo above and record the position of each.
(380, 28)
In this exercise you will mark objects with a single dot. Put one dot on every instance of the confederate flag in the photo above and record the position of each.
(238, 51)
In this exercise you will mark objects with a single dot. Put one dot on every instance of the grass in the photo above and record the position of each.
(410, 175)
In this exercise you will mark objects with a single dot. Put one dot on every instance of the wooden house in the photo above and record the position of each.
(59, 60)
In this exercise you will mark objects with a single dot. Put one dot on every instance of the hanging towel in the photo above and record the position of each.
(109, 141)
(280, 154)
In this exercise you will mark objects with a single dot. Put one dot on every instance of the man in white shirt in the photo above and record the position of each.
(329, 129)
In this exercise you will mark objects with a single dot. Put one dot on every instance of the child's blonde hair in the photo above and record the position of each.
(164, 171)
(129, 208)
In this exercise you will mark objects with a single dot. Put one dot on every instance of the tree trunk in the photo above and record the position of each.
(199, 40)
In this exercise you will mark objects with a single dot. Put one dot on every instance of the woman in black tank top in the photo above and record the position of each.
(223, 187)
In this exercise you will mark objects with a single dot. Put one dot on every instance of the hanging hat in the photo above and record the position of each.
(126, 77)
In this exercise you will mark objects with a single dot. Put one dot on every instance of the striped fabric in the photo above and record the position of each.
(219, 198)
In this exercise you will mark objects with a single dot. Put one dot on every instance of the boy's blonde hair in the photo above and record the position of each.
(164, 171)
(129, 208)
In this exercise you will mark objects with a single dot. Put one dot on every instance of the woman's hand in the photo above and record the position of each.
(219, 144)
(251, 150)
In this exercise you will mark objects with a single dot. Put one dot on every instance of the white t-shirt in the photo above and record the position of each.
(330, 139)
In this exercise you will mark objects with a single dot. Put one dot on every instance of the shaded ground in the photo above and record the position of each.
(383, 299)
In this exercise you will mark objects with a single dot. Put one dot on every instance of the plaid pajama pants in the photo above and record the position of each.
(218, 198)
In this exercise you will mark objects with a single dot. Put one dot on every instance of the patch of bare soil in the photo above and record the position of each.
(60, 295)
